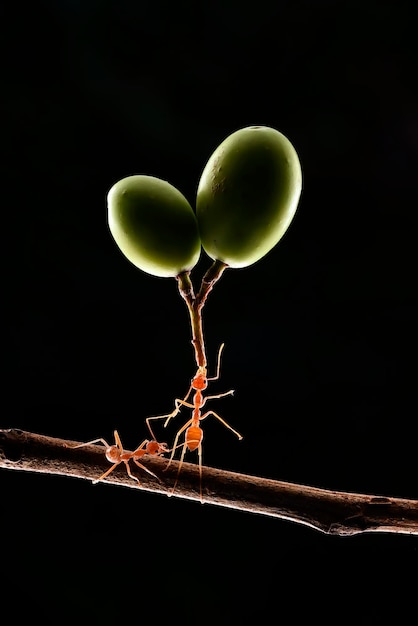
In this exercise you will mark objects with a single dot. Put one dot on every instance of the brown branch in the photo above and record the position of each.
(332, 512)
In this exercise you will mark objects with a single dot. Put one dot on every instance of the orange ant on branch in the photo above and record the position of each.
(116, 454)
(194, 434)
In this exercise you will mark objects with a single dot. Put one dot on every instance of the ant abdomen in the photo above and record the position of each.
(194, 437)
(113, 454)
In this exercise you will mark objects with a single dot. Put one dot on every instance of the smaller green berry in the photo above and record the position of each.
(154, 225)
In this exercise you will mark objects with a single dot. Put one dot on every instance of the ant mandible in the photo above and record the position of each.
(194, 433)
(116, 454)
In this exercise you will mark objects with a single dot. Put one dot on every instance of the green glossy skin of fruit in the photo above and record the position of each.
(248, 195)
(154, 225)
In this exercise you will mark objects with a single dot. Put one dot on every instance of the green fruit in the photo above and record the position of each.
(248, 195)
(154, 225)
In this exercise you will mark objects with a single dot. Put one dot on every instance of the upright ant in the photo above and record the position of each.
(116, 454)
(194, 433)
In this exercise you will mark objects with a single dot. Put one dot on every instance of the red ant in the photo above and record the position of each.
(194, 434)
(116, 454)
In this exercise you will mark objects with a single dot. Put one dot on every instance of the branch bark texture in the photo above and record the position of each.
(331, 512)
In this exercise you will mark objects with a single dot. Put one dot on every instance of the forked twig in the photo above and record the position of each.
(195, 304)
(331, 512)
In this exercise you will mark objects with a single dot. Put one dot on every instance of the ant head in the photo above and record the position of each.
(153, 447)
(200, 381)
(113, 454)
(163, 448)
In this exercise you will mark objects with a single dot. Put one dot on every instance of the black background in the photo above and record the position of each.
(319, 334)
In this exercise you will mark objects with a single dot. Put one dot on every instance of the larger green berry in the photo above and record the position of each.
(154, 225)
(248, 195)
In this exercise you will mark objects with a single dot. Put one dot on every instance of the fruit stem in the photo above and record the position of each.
(195, 304)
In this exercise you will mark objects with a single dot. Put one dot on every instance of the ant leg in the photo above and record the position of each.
(144, 468)
(140, 448)
(118, 441)
(103, 476)
(168, 416)
(89, 443)
(218, 368)
(200, 472)
(222, 422)
(147, 421)
(175, 446)
(128, 471)
(102, 441)
(183, 452)
(179, 404)
(221, 395)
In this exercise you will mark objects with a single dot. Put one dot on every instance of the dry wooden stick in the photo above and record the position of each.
(331, 512)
